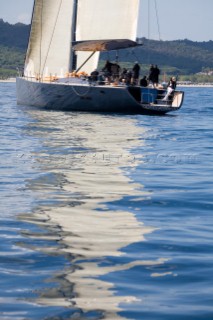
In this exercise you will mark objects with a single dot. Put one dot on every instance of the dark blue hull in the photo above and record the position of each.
(84, 97)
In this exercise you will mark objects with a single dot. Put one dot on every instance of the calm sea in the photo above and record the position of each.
(106, 216)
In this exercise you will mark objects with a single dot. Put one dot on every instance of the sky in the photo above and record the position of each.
(177, 19)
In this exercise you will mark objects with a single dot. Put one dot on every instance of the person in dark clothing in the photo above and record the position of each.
(144, 82)
(108, 68)
(115, 70)
(136, 71)
(94, 75)
(170, 88)
(151, 74)
(128, 77)
(156, 72)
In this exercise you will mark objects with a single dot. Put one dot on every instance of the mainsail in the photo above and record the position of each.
(105, 19)
(52, 30)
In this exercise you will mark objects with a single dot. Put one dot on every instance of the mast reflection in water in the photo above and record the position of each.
(84, 166)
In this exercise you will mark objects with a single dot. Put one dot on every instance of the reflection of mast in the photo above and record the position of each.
(91, 231)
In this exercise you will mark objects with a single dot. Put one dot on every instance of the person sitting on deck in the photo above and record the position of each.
(144, 82)
(170, 88)
(128, 77)
(101, 78)
(115, 69)
(123, 75)
(94, 75)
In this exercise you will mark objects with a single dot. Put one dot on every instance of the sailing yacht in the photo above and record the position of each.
(65, 42)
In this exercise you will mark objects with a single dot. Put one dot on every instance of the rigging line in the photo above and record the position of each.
(148, 28)
(59, 8)
(148, 20)
(90, 56)
(134, 54)
(156, 11)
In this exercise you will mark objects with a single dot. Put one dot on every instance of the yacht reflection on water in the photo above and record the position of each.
(84, 163)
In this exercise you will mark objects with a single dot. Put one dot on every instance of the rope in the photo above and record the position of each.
(156, 10)
(81, 95)
(148, 35)
(148, 20)
(138, 59)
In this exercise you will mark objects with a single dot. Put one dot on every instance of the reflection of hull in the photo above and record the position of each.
(78, 203)
(92, 98)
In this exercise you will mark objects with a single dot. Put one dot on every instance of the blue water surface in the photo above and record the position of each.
(106, 216)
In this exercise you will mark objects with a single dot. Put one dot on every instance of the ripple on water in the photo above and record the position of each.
(106, 215)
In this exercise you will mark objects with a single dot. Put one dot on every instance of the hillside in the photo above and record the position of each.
(183, 56)
(14, 36)
(13, 43)
(178, 56)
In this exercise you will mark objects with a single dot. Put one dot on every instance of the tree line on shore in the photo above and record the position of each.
(183, 58)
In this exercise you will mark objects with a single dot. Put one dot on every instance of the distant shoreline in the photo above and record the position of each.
(195, 85)
(8, 80)
(200, 85)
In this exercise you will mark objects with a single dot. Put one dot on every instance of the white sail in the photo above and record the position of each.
(49, 47)
(50, 38)
(105, 19)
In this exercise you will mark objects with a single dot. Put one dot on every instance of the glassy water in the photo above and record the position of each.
(106, 216)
